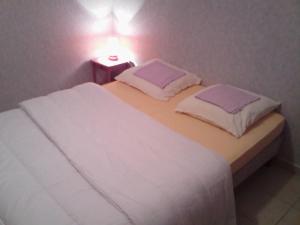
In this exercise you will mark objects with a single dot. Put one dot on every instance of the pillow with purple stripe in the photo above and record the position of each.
(227, 107)
(159, 74)
(158, 79)
(228, 98)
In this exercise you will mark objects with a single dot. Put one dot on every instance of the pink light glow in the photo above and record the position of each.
(114, 17)
(115, 45)
(124, 28)
(100, 26)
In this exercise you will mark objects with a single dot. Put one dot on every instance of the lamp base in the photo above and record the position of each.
(113, 58)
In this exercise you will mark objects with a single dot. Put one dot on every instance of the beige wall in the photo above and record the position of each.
(252, 44)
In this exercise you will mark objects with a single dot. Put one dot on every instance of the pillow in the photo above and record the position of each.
(229, 98)
(166, 73)
(234, 110)
(171, 79)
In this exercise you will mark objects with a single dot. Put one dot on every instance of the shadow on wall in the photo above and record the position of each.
(287, 150)
(83, 73)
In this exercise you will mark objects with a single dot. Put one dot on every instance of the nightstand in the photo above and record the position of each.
(105, 70)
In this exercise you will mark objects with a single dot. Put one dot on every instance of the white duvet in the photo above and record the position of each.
(37, 184)
(138, 171)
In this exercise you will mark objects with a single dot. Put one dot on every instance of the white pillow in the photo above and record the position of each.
(129, 77)
(237, 123)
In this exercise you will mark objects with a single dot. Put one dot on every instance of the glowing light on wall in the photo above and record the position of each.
(120, 11)
(114, 16)
(124, 12)
(98, 8)
(100, 26)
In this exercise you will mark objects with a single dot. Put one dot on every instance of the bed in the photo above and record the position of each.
(86, 156)
(83, 156)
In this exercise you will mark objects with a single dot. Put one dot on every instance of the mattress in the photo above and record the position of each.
(236, 151)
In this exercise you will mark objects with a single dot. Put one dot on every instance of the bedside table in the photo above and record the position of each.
(108, 69)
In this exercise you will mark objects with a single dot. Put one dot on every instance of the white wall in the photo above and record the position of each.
(44, 46)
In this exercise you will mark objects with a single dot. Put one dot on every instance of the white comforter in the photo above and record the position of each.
(37, 184)
(149, 174)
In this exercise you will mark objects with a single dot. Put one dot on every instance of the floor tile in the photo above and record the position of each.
(284, 185)
(242, 220)
(261, 209)
(267, 196)
(277, 182)
(291, 218)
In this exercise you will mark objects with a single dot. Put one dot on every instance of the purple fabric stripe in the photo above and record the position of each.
(229, 98)
(159, 74)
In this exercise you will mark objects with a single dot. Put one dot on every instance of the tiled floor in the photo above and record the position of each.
(269, 197)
